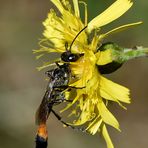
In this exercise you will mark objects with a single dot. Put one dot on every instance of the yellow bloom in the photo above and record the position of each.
(89, 102)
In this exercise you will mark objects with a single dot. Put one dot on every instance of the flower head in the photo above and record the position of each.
(95, 91)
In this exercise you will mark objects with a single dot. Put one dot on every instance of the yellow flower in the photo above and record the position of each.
(89, 102)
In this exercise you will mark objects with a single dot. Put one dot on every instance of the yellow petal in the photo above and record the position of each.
(94, 125)
(106, 115)
(104, 57)
(107, 137)
(54, 29)
(113, 91)
(47, 64)
(85, 12)
(82, 120)
(76, 8)
(107, 97)
(78, 96)
(117, 9)
(94, 42)
(58, 4)
(86, 111)
(119, 29)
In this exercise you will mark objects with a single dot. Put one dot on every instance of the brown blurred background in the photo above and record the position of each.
(22, 86)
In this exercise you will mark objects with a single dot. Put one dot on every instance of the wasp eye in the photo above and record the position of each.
(69, 57)
(73, 57)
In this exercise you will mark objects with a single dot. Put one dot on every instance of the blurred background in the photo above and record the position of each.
(22, 86)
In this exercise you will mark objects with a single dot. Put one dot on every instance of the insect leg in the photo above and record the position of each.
(76, 87)
(57, 63)
(68, 125)
(67, 86)
(59, 118)
(59, 97)
(58, 101)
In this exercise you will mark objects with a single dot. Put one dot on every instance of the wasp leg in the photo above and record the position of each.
(49, 73)
(62, 100)
(67, 86)
(58, 101)
(76, 87)
(68, 125)
(61, 87)
(68, 100)
(57, 63)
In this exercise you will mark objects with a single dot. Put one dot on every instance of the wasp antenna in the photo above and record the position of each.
(76, 37)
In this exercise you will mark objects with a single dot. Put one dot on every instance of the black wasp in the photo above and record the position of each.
(58, 82)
